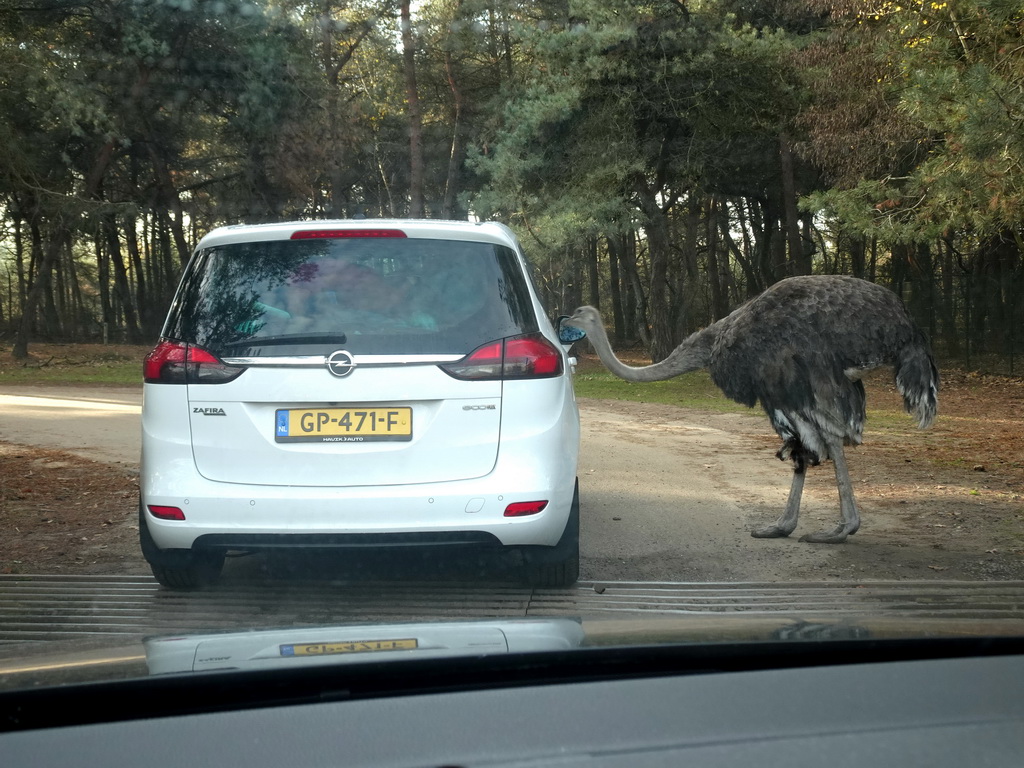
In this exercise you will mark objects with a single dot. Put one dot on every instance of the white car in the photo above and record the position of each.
(334, 384)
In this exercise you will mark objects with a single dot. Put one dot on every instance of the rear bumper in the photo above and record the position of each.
(246, 517)
(263, 541)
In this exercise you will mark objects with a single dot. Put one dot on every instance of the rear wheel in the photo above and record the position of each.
(180, 568)
(557, 566)
(193, 570)
(558, 574)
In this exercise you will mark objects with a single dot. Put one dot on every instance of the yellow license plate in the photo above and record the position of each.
(343, 425)
(360, 646)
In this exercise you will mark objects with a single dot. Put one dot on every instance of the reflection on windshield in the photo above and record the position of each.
(662, 161)
(377, 295)
(283, 649)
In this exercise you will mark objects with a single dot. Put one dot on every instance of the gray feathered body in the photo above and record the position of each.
(800, 349)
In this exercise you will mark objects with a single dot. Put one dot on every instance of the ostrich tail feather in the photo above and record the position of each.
(917, 380)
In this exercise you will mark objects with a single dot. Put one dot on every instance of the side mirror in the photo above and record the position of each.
(568, 334)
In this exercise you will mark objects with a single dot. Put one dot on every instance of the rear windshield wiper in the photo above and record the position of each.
(333, 337)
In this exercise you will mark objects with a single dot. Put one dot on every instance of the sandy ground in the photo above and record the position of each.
(714, 477)
(667, 493)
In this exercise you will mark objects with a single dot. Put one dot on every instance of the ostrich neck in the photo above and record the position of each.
(692, 354)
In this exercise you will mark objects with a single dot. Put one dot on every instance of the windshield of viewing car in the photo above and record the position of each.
(376, 295)
(663, 163)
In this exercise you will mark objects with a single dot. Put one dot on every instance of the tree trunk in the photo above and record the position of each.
(168, 194)
(19, 262)
(593, 274)
(659, 247)
(719, 298)
(691, 228)
(333, 62)
(618, 316)
(147, 312)
(858, 255)
(808, 247)
(103, 279)
(451, 186)
(80, 321)
(164, 251)
(55, 301)
(48, 257)
(415, 119)
(799, 263)
(924, 288)
(755, 284)
(764, 217)
(634, 304)
(121, 280)
(947, 312)
(738, 254)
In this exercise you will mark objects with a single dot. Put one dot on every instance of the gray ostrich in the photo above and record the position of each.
(801, 348)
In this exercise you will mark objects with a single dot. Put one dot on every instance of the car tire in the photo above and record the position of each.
(195, 570)
(182, 569)
(557, 566)
(553, 575)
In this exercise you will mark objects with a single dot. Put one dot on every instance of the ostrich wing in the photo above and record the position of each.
(800, 349)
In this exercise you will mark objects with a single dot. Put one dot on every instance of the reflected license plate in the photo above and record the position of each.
(342, 425)
(361, 646)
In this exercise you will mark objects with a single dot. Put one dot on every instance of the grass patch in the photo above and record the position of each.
(894, 422)
(75, 364)
(113, 374)
(691, 390)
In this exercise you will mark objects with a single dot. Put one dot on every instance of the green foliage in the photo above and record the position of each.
(957, 76)
(634, 95)
(636, 145)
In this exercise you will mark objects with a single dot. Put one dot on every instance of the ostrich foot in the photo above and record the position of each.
(836, 536)
(786, 524)
(773, 531)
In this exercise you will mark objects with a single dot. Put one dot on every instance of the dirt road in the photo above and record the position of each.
(672, 494)
(89, 422)
(667, 494)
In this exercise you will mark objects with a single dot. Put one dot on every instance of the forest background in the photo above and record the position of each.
(662, 159)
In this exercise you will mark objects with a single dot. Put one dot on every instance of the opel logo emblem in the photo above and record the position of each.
(340, 363)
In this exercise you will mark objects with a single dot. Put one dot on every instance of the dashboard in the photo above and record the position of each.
(600, 710)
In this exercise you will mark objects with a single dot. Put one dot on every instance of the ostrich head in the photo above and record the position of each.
(587, 319)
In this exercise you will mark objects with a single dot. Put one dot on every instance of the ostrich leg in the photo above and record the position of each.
(850, 521)
(785, 524)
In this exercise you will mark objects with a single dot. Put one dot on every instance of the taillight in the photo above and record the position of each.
(520, 357)
(165, 513)
(523, 508)
(312, 234)
(483, 363)
(531, 357)
(174, 362)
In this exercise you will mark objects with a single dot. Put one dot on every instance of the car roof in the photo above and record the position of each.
(488, 231)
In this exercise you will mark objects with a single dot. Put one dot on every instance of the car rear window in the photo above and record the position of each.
(374, 295)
